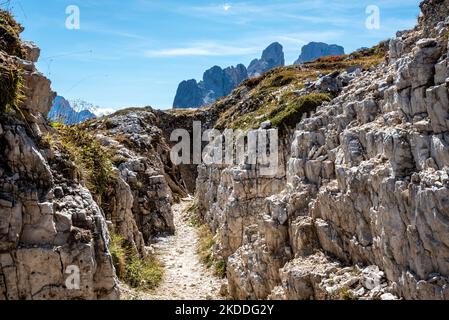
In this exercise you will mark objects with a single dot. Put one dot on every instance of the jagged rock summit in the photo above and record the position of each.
(218, 82)
(315, 50)
(272, 57)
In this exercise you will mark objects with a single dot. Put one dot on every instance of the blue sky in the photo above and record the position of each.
(135, 52)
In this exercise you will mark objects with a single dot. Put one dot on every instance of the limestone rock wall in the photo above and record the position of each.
(231, 199)
(139, 206)
(50, 227)
(364, 210)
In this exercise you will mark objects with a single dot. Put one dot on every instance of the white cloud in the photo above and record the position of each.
(202, 49)
(227, 7)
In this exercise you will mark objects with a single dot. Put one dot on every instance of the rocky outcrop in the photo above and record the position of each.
(53, 236)
(140, 203)
(272, 57)
(53, 230)
(357, 210)
(363, 210)
(315, 50)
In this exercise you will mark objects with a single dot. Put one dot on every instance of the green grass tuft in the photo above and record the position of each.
(142, 274)
(295, 110)
(220, 268)
(194, 219)
(11, 86)
(118, 253)
(207, 254)
(93, 161)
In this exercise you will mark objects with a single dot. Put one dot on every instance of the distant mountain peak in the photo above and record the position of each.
(218, 82)
(315, 50)
(62, 111)
(272, 57)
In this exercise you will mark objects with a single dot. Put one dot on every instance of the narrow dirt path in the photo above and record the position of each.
(185, 278)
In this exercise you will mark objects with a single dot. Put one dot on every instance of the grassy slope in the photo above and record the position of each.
(274, 95)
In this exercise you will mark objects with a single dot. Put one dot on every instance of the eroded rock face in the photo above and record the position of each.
(139, 206)
(50, 226)
(366, 184)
